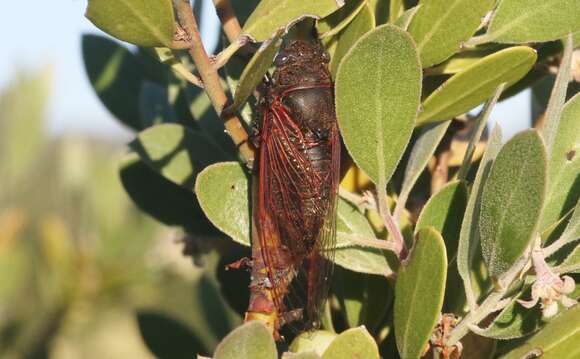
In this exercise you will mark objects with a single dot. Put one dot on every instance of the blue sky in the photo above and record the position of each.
(51, 36)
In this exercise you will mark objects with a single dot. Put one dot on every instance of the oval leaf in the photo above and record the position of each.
(518, 21)
(559, 338)
(222, 190)
(317, 341)
(116, 76)
(419, 293)
(362, 23)
(271, 15)
(249, 341)
(470, 87)
(144, 23)
(378, 86)
(440, 26)
(363, 260)
(352, 343)
(469, 234)
(255, 70)
(444, 212)
(176, 152)
(512, 200)
(564, 165)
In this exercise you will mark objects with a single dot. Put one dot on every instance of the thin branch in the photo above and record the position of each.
(227, 16)
(399, 242)
(211, 81)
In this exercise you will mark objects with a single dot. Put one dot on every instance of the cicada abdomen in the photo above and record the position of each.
(298, 173)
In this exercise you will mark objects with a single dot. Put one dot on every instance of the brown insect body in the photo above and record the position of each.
(298, 173)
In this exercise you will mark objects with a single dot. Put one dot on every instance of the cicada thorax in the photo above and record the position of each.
(298, 164)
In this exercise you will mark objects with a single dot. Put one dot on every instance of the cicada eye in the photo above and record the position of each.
(281, 59)
(325, 57)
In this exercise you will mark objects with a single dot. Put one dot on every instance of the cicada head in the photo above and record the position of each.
(301, 62)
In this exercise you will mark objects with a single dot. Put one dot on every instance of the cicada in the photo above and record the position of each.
(297, 181)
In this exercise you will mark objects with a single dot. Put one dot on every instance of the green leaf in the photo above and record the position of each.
(519, 21)
(428, 138)
(350, 221)
(558, 97)
(378, 87)
(419, 293)
(363, 260)
(362, 23)
(140, 22)
(160, 198)
(572, 231)
(444, 212)
(558, 340)
(338, 20)
(272, 15)
(222, 190)
(469, 235)
(352, 343)
(440, 27)
(564, 165)
(176, 153)
(316, 341)
(116, 77)
(167, 337)
(304, 355)
(154, 105)
(470, 87)
(255, 70)
(572, 263)
(405, 19)
(512, 200)
(515, 321)
(250, 341)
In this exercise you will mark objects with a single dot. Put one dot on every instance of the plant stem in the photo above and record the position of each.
(399, 242)
(211, 81)
(490, 303)
(227, 16)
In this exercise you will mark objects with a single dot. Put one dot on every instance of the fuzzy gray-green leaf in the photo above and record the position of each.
(140, 22)
(440, 26)
(222, 190)
(512, 200)
(352, 343)
(419, 293)
(469, 234)
(564, 165)
(250, 341)
(470, 87)
(520, 21)
(378, 86)
(271, 15)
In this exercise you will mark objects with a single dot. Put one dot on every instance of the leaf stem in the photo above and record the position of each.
(398, 241)
(228, 19)
(211, 81)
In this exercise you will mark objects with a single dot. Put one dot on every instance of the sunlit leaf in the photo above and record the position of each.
(316, 341)
(440, 26)
(512, 199)
(251, 340)
(140, 22)
(564, 165)
(470, 87)
(352, 343)
(272, 15)
(378, 86)
(469, 238)
(419, 293)
(519, 21)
